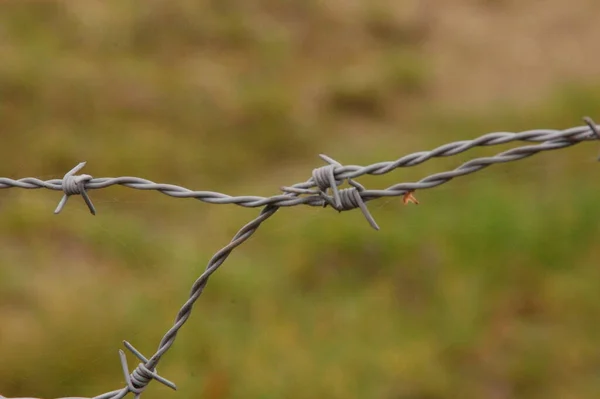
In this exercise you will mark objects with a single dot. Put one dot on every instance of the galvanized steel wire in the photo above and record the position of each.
(321, 189)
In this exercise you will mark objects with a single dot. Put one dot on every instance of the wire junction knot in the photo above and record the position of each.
(75, 185)
(324, 178)
(342, 200)
(139, 379)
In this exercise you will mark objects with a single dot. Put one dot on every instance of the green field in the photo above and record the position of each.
(487, 289)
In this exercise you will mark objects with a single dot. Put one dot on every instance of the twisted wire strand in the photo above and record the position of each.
(340, 173)
(185, 311)
(575, 134)
(197, 288)
(466, 168)
(345, 199)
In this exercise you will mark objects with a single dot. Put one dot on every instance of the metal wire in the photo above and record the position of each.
(325, 179)
(546, 136)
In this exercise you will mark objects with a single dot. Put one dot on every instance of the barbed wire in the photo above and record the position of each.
(319, 190)
(567, 137)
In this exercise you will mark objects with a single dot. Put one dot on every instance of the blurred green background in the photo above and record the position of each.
(487, 289)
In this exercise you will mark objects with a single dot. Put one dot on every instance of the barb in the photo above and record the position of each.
(325, 178)
(350, 198)
(72, 185)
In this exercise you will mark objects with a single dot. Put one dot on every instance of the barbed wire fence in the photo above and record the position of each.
(321, 190)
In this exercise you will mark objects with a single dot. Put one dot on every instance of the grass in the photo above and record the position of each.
(486, 289)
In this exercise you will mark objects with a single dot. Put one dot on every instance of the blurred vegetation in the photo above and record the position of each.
(488, 289)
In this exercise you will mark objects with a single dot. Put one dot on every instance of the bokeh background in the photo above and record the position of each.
(487, 289)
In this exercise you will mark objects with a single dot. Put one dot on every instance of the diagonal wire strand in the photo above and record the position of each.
(466, 168)
(351, 198)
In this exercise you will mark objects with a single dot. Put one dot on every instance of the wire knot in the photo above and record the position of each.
(350, 199)
(347, 198)
(342, 200)
(139, 379)
(324, 178)
(75, 185)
